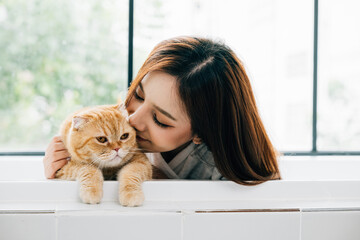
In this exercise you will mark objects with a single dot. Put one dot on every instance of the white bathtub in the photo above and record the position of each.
(318, 198)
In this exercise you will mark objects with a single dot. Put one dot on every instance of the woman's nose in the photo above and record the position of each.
(136, 119)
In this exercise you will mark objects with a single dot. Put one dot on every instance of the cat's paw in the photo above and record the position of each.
(91, 195)
(131, 198)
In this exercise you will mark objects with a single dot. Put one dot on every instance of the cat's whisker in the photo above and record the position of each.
(127, 152)
(136, 149)
(144, 150)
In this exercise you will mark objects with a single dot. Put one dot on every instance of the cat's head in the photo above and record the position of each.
(102, 136)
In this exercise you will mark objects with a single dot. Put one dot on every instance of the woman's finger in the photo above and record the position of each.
(58, 146)
(52, 168)
(56, 139)
(60, 155)
(55, 157)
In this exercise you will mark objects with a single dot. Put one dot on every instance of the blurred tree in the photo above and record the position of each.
(57, 56)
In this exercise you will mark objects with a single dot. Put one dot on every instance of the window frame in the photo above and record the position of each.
(313, 152)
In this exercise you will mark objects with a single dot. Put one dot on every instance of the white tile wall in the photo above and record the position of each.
(249, 226)
(67, 225)
(128, 226)
(332, 225)
(168, 211)
(27, 226)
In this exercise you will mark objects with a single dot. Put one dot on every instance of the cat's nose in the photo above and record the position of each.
(116, 149)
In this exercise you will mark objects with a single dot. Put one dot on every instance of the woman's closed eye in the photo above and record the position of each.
(136, 95)
(155, 119)
(159, 123)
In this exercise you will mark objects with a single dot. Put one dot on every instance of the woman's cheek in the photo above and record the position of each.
(164, 140)
(177, 138)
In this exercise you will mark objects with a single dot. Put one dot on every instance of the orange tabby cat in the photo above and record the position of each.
(103, 144)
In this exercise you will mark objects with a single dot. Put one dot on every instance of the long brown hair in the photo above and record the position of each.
(219, 100)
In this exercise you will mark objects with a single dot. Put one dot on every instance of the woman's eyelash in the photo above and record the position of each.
(138, 97)
(159, 123)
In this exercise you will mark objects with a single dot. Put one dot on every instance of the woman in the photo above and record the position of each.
(192, 106)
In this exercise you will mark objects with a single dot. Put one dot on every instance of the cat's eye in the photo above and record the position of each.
(102, 139)
(124, 136)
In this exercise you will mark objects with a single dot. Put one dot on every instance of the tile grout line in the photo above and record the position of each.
(56, 223)
(300, 227)
(182, 225)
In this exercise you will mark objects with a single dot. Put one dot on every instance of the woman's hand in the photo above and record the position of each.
(56, 156)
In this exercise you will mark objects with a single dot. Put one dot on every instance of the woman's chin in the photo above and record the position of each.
(145, 146)
(149, 148)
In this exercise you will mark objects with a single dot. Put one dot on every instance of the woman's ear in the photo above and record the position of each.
(197, 140)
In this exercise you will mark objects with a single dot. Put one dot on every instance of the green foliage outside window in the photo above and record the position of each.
(56, 57)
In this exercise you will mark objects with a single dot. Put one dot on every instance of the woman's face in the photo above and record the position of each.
(157, 114)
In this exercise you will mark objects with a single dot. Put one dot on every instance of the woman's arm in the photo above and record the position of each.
(56, 156)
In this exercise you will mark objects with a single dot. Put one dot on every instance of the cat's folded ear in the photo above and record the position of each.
(78, 122)
(121, 107)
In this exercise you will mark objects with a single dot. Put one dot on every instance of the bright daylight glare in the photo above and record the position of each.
(58, 56)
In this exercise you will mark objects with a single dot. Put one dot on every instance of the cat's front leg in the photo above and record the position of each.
(68, 172)
(91, 184)
(90, 180)
(130, 178)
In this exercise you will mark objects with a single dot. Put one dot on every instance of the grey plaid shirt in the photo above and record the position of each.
(194, 162)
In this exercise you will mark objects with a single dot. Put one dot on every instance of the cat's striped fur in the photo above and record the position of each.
(102, 144)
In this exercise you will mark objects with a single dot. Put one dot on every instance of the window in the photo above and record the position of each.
(339, 76)
(58, 56)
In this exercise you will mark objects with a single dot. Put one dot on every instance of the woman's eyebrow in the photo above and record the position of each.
(164, 112)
